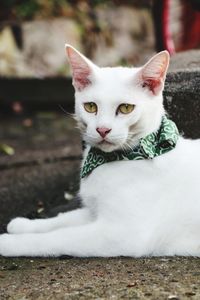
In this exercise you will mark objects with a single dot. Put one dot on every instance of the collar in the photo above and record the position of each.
(154, 144)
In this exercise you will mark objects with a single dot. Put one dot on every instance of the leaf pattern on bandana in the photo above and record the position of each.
(154, 144)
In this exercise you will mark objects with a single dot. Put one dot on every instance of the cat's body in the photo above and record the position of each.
(130, 208)
(152, 206)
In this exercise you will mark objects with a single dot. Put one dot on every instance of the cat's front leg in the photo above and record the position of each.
(73, 218)
(94, 239)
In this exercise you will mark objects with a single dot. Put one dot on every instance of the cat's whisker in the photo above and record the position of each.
(90, 136)
(67, 114)
(127, 144)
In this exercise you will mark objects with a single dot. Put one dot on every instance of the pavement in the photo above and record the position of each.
(44, 171)
(42, 177)
(100, 278)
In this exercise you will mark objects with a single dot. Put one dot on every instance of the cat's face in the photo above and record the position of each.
(116, 106)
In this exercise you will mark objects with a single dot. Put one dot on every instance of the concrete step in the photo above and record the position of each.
(182, 92)
(44, 167)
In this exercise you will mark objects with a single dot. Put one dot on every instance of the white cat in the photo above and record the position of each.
(133, 207)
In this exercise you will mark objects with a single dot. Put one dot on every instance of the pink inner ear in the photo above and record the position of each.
(80, 78)
(152, 84)
(81, 70)
(153, 73)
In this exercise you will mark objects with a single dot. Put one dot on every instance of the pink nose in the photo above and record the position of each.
(103, 131)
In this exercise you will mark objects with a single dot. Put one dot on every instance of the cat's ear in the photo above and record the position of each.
(152, 75)
(82, 68)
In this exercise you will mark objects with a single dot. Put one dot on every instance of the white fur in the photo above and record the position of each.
(130, 208)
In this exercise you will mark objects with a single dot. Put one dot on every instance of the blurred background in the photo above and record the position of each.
(38, 139)
(33, 34)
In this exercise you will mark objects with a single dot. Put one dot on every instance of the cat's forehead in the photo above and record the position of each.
(113, 82)
(111, 85)
(120, 74)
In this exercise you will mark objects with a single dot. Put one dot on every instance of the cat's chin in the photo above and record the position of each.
(107, 147)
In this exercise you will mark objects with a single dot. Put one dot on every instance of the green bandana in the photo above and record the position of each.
(154, 144)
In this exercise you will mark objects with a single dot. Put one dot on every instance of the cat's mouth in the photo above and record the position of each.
(104, 142)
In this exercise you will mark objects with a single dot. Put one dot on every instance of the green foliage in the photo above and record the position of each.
(27, 9)
(30, 9)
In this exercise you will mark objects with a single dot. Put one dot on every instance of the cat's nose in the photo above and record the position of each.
(103, 131)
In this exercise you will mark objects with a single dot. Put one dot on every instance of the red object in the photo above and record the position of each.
(168, 43)
(191, 27)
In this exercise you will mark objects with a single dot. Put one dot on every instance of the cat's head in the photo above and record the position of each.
(117, 106)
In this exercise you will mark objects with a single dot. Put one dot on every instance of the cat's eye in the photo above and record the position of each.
(125, 108)
(90, 107)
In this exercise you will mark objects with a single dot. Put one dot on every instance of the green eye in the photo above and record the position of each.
(125, 108)
(90, 107)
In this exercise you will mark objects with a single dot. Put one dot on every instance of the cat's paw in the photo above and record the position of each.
(19, 225)
(6, 245)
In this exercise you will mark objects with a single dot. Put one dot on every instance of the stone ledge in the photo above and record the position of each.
(182, 92)
(182, 101)
(185, 61)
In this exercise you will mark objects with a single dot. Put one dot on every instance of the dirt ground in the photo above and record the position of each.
(97, 278)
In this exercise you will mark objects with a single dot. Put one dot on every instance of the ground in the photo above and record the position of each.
(97, 278)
